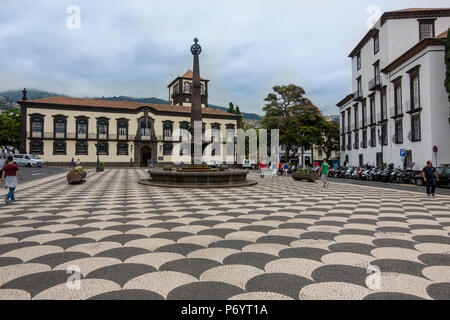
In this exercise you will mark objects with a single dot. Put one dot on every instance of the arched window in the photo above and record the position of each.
(167, 129)
(122, 149)
(184, 125)
(102, 128)
(184, 130)
(103, 148)
(167, 149)
(187, 87)
(59, 124)
(215, 132)
(145, 128)
(59, 148)
(81, 148)
(37, 147)
(37, 126)
(82, 128)
(122, 129)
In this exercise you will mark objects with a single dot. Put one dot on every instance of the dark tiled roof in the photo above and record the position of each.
(99, 103)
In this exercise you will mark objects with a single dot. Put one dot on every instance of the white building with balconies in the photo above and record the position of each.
(399, 109)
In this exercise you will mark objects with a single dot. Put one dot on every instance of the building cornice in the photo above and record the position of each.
(422, 45)
(397, 15)
(345, 100)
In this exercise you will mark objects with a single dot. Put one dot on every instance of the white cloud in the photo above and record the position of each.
(136, 48)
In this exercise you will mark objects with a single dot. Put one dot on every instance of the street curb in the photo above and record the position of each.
(385, 189)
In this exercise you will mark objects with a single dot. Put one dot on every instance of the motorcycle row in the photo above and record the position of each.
(371, 173)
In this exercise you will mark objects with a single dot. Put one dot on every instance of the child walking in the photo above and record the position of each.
(10, 172)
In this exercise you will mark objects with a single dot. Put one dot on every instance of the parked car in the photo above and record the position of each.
(28, 160)
(213, 164)
(444, 177)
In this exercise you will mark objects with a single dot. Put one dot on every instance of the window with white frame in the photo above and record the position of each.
(415, 91)
(426, 29)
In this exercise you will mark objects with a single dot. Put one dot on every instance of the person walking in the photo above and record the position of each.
(10, 172)
(324, 170)
(431, 178)
(261, 169)
(72, 162)
(286, 169)
(78, 163)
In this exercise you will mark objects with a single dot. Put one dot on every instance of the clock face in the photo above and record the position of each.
(196, 49)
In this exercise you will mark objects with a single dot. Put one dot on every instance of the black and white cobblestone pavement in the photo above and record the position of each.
(281, 239)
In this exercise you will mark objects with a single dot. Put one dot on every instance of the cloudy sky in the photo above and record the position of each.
(137, 47)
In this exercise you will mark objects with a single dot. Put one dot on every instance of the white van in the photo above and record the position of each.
(28, 160)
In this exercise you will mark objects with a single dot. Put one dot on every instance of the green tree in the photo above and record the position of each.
(231, 108)
(300, 122)
(331, 138)
(447, 64)
(10, 129)
(238, 112)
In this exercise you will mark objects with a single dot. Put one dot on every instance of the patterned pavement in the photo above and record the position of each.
(281, 239)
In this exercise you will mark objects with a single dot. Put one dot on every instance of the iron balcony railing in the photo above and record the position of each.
(375, 83)
(411, 107)
(357, 96)
(107, 137)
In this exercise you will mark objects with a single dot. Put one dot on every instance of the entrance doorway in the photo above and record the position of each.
(408, 159)
(380, 160)
(146, 156)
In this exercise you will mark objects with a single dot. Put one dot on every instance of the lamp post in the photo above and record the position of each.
(380, 138)
(98, 154)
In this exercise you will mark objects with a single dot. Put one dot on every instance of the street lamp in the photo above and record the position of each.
(98, 154)
(380, 138)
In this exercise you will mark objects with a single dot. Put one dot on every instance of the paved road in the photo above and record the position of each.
(404, 187)
(281, 239)
(32, 174)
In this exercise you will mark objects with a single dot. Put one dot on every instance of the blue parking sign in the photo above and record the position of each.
(403, 153)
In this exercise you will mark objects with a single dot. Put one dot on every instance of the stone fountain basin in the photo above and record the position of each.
(208, 179)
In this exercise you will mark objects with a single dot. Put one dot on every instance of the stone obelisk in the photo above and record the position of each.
(196, 109)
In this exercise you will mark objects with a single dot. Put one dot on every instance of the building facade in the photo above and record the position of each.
(398, 111)
(60, 129)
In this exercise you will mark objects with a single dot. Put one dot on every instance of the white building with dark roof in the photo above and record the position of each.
(399, 107)
(121, 133)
